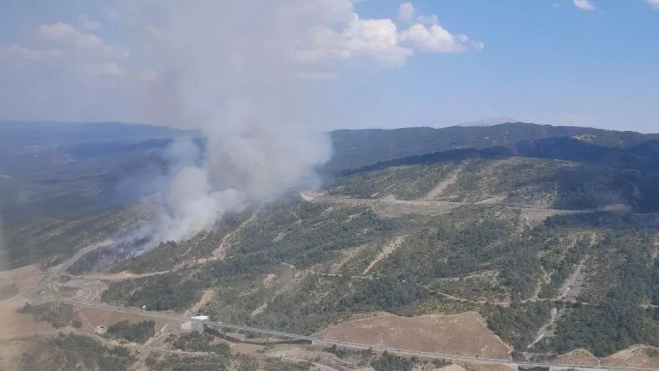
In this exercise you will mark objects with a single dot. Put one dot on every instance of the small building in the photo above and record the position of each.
(198, 323)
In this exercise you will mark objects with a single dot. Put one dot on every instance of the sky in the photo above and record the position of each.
(376, 63)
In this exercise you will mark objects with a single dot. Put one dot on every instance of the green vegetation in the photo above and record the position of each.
(405, 183)
(618, 321)
(50, 241)
(162, 292)
(199, 342)
(58, 314)
(389, 362)
(518, 324)
(74, 352)
(133, 332)
(357, 148)
(212, 362)
(278, 365)
(189, 363)
(562, 265)
(301, 266)
(170, 254)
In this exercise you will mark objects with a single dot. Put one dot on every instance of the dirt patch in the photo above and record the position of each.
(23, 277)
(452, 367)
(482, 367)
(387, 250)
(205, 298)
(443, 185)
(100, 317)
(464, 334)
(14, 324)
(250, 349)
(346, 256)
(577, 357)
(10, 353)
(637, 356)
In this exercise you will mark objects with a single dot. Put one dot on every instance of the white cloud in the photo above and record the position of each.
(381, 41)
(406, 12)
(436, 39)
(584, 4)
(653, 3)
(102, 69)
(87, 24)
(67, 35)
(375, 39)
(21, 52)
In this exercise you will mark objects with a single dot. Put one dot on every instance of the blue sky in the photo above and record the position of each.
(561, 62)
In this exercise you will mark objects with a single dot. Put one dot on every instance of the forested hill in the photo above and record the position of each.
(356, 148)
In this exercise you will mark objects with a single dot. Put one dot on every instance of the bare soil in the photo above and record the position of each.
(387, 250)
(577, 357)
(443, 185)
(464, 334)
(250, 349)
(205, 298)
(14, 324)
(10, 353)
(23, 277)
(636, 356)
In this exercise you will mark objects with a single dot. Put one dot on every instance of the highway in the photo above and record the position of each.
(317, 340)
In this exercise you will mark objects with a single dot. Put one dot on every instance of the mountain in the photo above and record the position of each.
(544, 238)
(490, 121)
(356, 148)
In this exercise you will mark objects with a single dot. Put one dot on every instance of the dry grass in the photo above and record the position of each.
(464, 334)
(250, 349)
(636, 356)
(13, 324)
(23, 277)
(577, 357)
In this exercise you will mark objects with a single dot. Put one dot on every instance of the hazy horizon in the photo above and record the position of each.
(367, 64)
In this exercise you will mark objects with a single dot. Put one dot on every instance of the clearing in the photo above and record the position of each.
(577, 357)
(24, 277)
(636, 356)
(14, 324)
(387, 250)
(443, 185)
(464, 334)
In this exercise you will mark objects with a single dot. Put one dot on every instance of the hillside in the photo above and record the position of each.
(550, 269)
(545, 237)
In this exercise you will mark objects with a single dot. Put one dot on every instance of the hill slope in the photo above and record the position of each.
(549, 234)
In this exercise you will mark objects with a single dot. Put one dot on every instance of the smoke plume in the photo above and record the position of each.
(231, 69)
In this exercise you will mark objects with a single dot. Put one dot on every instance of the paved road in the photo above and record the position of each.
(316, 340)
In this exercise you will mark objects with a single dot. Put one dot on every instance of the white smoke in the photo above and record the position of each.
(229, 69)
